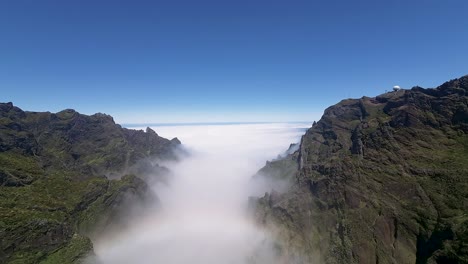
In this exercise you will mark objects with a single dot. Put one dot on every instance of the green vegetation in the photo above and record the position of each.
(52, 184)
(380, 180)
(75, 251)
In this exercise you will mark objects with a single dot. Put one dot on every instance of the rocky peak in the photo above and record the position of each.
(150, 131)
(66, 114)
(456, 87)
(176, 141)
(460, 83)
(6, 106)
(104, 118)
(9, 110)
(53, 185)
(91, 145)
(381, 180)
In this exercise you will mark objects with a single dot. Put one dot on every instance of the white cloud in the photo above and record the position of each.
(203, 219)
(214, 116)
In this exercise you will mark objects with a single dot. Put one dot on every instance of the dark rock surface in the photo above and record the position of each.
(53, 184)
(380, 180)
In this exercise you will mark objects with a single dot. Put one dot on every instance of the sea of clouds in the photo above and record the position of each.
(202, 216)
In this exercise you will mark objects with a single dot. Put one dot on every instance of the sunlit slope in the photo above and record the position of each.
(381, 180)
(53, 185)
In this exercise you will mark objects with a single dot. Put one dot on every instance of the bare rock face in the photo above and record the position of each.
(380, 180)
(53, 184)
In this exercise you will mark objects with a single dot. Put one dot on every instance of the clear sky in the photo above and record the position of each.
(240, 60)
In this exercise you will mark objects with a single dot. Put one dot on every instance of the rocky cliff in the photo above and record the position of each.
(379, 180)
(61, 174)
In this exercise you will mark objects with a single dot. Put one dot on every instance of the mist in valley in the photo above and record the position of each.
(202, 214)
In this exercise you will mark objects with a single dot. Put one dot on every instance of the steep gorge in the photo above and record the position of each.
(376, 180)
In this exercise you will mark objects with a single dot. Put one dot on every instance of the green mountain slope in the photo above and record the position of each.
(379, 180)
(53, 184)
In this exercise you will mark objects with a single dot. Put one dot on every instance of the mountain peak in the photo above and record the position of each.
(455, 84)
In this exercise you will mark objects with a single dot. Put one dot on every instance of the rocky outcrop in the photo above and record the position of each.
(56, 184)
(380, 180)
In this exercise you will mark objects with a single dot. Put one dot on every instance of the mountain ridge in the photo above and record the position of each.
(64, 176)
(379, 180)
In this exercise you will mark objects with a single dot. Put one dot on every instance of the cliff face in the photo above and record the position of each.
(380, 180)
(53, 184)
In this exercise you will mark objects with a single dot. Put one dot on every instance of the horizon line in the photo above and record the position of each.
(208, 123)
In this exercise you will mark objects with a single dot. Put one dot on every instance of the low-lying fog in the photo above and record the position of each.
(203, 216)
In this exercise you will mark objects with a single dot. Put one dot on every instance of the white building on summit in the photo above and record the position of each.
(396, 88)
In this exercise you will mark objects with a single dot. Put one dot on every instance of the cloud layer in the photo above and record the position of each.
(203, 217)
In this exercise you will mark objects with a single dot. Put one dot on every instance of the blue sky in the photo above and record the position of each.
(206, 61)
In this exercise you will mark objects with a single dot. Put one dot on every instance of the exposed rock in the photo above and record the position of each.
(52, 184)
(176, 141)
(380, 180)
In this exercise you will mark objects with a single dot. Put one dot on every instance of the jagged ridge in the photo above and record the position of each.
(380, 180)
(53, 184)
